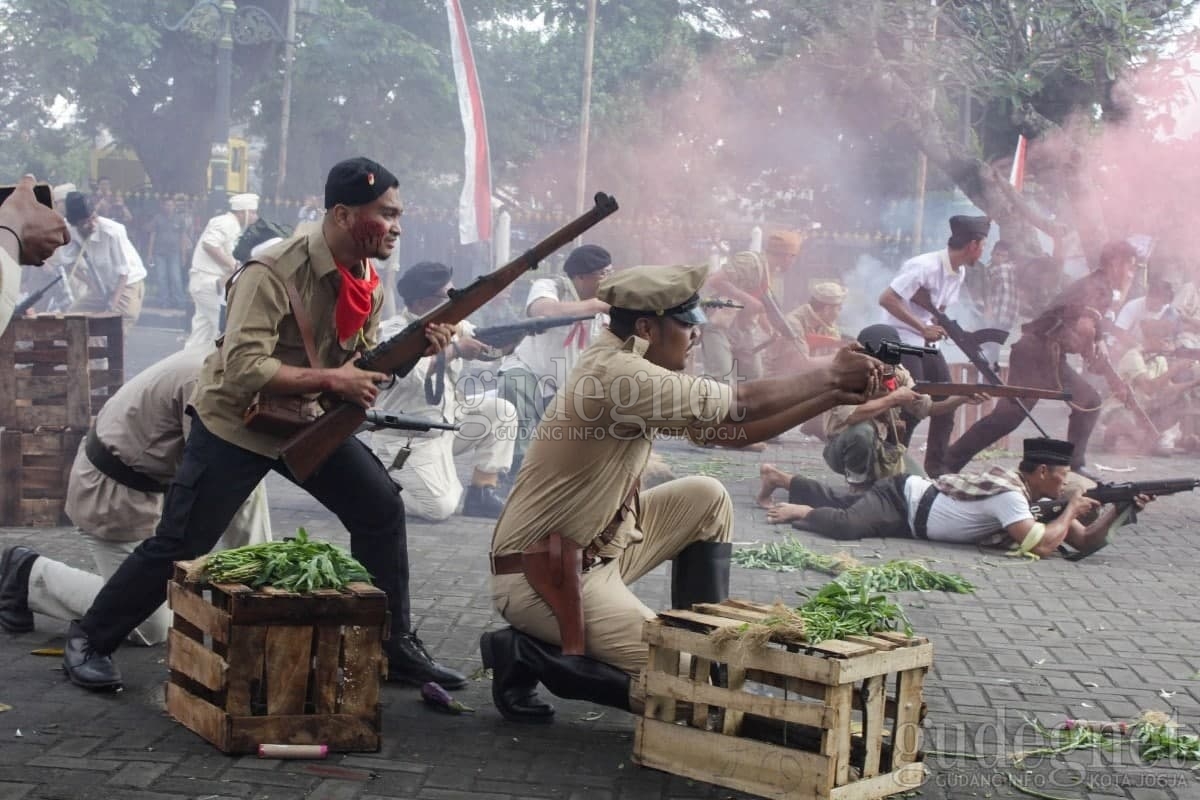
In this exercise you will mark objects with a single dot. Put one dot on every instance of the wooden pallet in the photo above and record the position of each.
(250, 667)
(34, 467)
(59, 370)
(842, 721)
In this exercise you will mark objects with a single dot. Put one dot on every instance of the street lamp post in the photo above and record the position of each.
(224, 22)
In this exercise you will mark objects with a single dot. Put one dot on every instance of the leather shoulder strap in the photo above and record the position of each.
(303, 322)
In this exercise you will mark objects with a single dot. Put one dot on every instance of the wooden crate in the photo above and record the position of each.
(34, 466)
(250, 667)
(843, 721)
(59, 369)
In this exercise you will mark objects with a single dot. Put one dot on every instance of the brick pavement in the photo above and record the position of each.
(1108, 637)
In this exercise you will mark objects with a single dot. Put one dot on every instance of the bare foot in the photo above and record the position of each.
(772, 478)
(787, 512)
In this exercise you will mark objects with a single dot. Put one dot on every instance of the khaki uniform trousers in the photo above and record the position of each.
(64, 592)
(429, 478)
(673, 515)
(725, 350)
(129, 304)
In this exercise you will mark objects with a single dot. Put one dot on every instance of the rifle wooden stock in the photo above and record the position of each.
(309, 448)
(991, 390)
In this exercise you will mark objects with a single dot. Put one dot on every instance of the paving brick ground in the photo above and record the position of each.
(1104, 638)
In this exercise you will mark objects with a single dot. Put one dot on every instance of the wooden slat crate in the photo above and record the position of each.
(250, 667)
(34, 466)
(842, 721)
(59, 369)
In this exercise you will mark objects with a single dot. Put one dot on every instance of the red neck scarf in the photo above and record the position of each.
(354, 300)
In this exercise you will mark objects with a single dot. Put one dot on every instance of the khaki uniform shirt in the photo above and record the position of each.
(836, 419)
(595, 440)
(807, 322)
(261, 334)
(145, 425)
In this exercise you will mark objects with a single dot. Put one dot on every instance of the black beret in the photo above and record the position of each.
(1054, 452)
(78, 207)
(356, 182)
(587, 258)
(422, 280)
(874, 335)
(970, 227)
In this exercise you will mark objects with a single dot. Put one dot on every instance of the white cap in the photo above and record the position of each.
(59, 193)
(243, 202)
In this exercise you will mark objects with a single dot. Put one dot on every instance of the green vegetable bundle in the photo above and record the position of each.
(838, 611)
(894, 576)
(295, 565)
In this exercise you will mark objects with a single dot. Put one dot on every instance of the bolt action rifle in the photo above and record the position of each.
(307, 449)
(970, 343)
(33, 298)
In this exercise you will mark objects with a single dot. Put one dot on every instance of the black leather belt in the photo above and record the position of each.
(113, 467)
(921, 520)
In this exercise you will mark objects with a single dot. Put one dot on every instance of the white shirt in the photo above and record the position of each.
(965, 521)
(552, 355)
(1133, 312)
(933, 272)
(109, 251)
(10, 287)
(222, 232)
(407, 396)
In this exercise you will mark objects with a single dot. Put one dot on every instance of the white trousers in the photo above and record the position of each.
(429, 478)
(64, 592)
(205, 290)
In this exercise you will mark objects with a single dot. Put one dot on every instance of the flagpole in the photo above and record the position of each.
(585, 116)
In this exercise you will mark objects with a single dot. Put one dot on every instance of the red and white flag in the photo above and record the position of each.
(475, 203)
(1017, 176)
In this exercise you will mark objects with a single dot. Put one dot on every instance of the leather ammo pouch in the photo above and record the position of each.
(280, 414)
(554, 568)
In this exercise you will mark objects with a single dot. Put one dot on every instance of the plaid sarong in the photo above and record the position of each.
(981, 485)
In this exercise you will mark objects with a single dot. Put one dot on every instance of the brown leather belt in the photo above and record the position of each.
(511, 564)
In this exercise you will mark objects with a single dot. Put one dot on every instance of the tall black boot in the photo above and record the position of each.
(524, 658)
(700, 574)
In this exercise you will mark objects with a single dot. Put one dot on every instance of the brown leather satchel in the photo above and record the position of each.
(285, 414)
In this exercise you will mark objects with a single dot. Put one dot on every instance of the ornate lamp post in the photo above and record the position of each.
(224, 22)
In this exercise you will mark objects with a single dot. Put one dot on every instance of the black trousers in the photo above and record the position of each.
(1033, 362)
(930, 369)
(879, 511)
(213, 480)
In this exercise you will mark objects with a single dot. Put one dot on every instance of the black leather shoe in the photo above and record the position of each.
(86, 667)
(514, 686)
(15, 616)
(483, 501)
(409, 662)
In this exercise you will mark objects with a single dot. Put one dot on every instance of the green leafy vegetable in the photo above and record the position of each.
(295, 565)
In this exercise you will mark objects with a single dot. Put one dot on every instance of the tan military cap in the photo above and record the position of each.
(784, 242)
(665, 291)
(829, 293)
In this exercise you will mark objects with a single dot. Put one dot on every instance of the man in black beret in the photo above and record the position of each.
(530, 376)
(315, 292)
(992, 507)
(424, 464)
(935, 278)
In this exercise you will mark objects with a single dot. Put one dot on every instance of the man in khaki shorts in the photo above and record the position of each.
(575, 531)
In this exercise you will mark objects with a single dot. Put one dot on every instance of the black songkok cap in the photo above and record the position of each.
(1054, 452)
(874, 335)
(587, 258)
(970, 227)
(356, 182)
(423, 280)
(78, 207)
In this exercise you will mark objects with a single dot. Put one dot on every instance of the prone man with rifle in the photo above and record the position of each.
(299, 321)
(916, 301)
